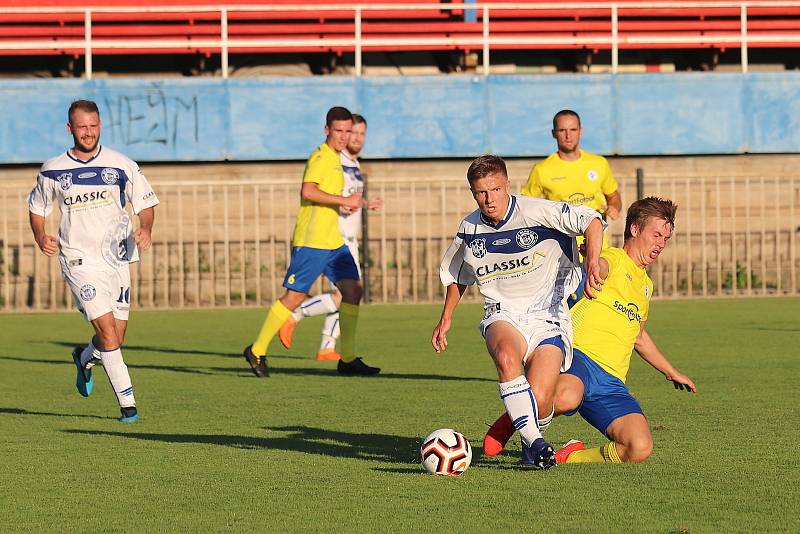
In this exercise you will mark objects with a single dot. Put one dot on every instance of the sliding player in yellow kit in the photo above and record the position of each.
(606, 329)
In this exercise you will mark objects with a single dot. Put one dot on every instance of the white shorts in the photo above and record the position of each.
(99, 291)
(535, 329)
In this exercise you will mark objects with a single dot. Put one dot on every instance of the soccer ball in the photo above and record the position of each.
(446, 452)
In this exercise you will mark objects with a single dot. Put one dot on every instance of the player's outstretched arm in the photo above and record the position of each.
(650, 353)
(613, 205)
(144, 235)
(451, 300)
(594, 243)
(46, 243)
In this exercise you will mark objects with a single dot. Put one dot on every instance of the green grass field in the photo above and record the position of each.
(218, 449)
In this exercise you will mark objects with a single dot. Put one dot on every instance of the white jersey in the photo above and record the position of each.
(95, 230)
(350, 223)
(527, 263)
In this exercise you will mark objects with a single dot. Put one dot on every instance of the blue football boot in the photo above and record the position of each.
(540, 455)
(129, 415)
(84, 381)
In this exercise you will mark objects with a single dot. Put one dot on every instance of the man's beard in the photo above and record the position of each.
(83, 147)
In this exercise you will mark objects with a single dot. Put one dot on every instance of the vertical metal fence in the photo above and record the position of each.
(227, 243)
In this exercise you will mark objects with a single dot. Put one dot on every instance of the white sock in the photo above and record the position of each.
(317, 305)
(521, 407)
(118, 375)
(331, 325)
(330, 332)
(545, 421)
(90, 355)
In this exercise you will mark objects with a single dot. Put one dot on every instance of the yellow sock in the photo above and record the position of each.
(605, 454)
(278, 313)
(348, 320)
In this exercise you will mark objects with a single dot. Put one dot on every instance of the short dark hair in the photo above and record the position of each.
(484, 166)
(337, 113)
(565, 113)
(89, 106)
(359, 119)
(643, 209)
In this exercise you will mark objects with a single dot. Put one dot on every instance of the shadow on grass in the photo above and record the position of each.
(309, 440)
(327, 371)
(20, 411)
(173, 368)
(165, 350)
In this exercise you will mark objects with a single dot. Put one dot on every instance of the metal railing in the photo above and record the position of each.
(227, 243)
(484, 40)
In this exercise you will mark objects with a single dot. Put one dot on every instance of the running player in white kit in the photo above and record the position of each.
(350, 226)
(522, 254)
(91, 185)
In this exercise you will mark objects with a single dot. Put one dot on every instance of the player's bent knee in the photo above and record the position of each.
(566, 400)
(351, 291)
(638, 449)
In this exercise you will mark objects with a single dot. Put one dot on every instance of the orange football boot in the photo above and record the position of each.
(498, 435)
(328, 354)
(286, 331)
(571, 446)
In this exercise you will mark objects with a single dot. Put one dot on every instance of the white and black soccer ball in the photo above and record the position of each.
(446, 452)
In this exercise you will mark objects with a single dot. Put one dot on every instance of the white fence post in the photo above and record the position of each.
(743, 22)
(358, 41)
(87, 35)
(224, 52)
(485, 40)
(614, 39)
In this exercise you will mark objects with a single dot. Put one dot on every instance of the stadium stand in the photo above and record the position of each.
(191, 31)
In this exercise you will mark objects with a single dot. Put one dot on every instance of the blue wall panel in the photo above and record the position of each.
(521, 110)
(408, 117)
(684, 114)
(274, 118)
(772, 112)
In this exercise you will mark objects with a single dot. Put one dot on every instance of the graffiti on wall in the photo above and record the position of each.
(152, 117)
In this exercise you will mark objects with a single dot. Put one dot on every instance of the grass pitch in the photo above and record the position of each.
(218, 449)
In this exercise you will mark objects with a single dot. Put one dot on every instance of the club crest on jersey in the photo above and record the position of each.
(526, 238)
(109, 175)
(592, 175)
(88, 292)
(65, 180)
(478, 247)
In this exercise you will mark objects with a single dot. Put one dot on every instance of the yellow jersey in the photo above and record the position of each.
(606, 328)
(317, 225)
(583, 182)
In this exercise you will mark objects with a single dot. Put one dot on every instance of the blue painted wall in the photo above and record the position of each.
(276, 118)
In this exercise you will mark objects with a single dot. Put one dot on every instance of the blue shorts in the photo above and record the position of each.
(308, 263)
(605, 397)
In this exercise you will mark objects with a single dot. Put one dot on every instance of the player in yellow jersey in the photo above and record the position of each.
(606, 329)
(575, 176)
(318, 248)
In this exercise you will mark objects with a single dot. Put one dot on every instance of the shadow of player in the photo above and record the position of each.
(303, 439)
(21, 411)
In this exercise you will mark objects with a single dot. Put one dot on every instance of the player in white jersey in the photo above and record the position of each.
(92, 185)
(522, 254)
(350, 226)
